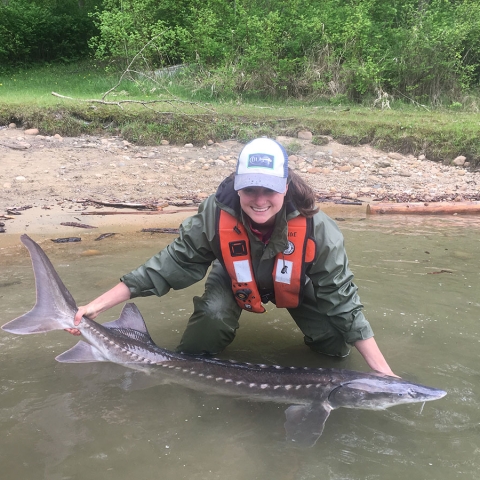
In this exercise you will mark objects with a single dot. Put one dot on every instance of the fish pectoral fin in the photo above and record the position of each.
(137, 380)
(82, 352)
(305, 423)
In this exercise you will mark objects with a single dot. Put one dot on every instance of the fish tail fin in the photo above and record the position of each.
(55, 307)
(32, 322)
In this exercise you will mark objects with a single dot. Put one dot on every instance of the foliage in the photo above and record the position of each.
(419, 50)
(43, 31)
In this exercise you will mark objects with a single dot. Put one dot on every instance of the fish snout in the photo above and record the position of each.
(418, 393)
(431, 394)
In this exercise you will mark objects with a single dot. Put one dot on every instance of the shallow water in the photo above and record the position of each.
(418, 280)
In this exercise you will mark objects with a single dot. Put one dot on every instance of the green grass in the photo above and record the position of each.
(35, 85)
(26, 99)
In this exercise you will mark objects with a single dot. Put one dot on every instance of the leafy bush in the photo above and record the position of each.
(426, 51)
(31, 32)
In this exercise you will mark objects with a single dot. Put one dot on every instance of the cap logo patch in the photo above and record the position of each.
(260, 160)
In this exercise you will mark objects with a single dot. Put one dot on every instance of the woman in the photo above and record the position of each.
(266, 241)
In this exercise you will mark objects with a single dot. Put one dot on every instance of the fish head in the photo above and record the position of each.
(379, 393)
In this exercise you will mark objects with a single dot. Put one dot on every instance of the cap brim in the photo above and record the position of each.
(245, 180)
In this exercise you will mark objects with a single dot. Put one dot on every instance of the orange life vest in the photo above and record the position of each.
(289, 269)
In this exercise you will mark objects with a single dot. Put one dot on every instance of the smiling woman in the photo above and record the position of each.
(261, 205)
(261, 182)
(266, 242)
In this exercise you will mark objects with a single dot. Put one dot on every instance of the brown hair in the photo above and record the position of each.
(301, 195)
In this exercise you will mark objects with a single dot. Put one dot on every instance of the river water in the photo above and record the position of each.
(419, 282)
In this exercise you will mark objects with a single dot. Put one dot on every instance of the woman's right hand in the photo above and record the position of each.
(83, 311)
(118, 294)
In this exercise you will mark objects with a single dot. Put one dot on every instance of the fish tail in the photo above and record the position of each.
(55, 307)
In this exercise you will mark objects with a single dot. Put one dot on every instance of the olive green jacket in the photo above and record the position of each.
(186, 261)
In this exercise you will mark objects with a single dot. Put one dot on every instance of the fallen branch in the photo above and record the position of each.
(66, 240)
(172, 100)
(119, 103)
(347, 202)
(76, 224)
(103, 236)
(160, 230)
(17, 210)
(146, 212)
(139, 206)
(437, 208)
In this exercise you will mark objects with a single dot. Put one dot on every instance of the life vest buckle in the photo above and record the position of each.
(243, 294)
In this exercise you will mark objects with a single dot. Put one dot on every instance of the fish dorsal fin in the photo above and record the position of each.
(130, 318)
(130, 324)
(82, 352)
(305, 423)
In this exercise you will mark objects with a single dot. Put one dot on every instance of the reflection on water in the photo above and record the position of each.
(418, 279)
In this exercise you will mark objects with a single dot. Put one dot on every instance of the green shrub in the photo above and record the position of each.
(33, 33)
(427, 52)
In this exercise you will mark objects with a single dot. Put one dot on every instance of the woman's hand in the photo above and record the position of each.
(373, 356)
(118, 294)
(84, 311)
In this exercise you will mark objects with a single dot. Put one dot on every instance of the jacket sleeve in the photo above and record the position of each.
(332, 280)
(182, 263)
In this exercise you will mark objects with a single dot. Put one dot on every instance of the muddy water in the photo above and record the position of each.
(419, 281)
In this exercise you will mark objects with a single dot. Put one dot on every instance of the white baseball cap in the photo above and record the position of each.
(262, 163)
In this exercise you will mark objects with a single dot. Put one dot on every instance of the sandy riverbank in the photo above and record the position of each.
(53, 176)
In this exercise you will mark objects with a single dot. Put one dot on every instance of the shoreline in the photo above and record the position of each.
(46, 224)
(47, 181)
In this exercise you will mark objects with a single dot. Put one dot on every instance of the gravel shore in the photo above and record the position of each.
(55, 174)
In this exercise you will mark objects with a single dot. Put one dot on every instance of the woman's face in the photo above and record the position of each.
(261, 204)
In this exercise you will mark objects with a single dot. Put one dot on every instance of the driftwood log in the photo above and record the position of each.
(76, 224)
(435, 208)
(143, 212)
(139, 206)
(160, 230)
